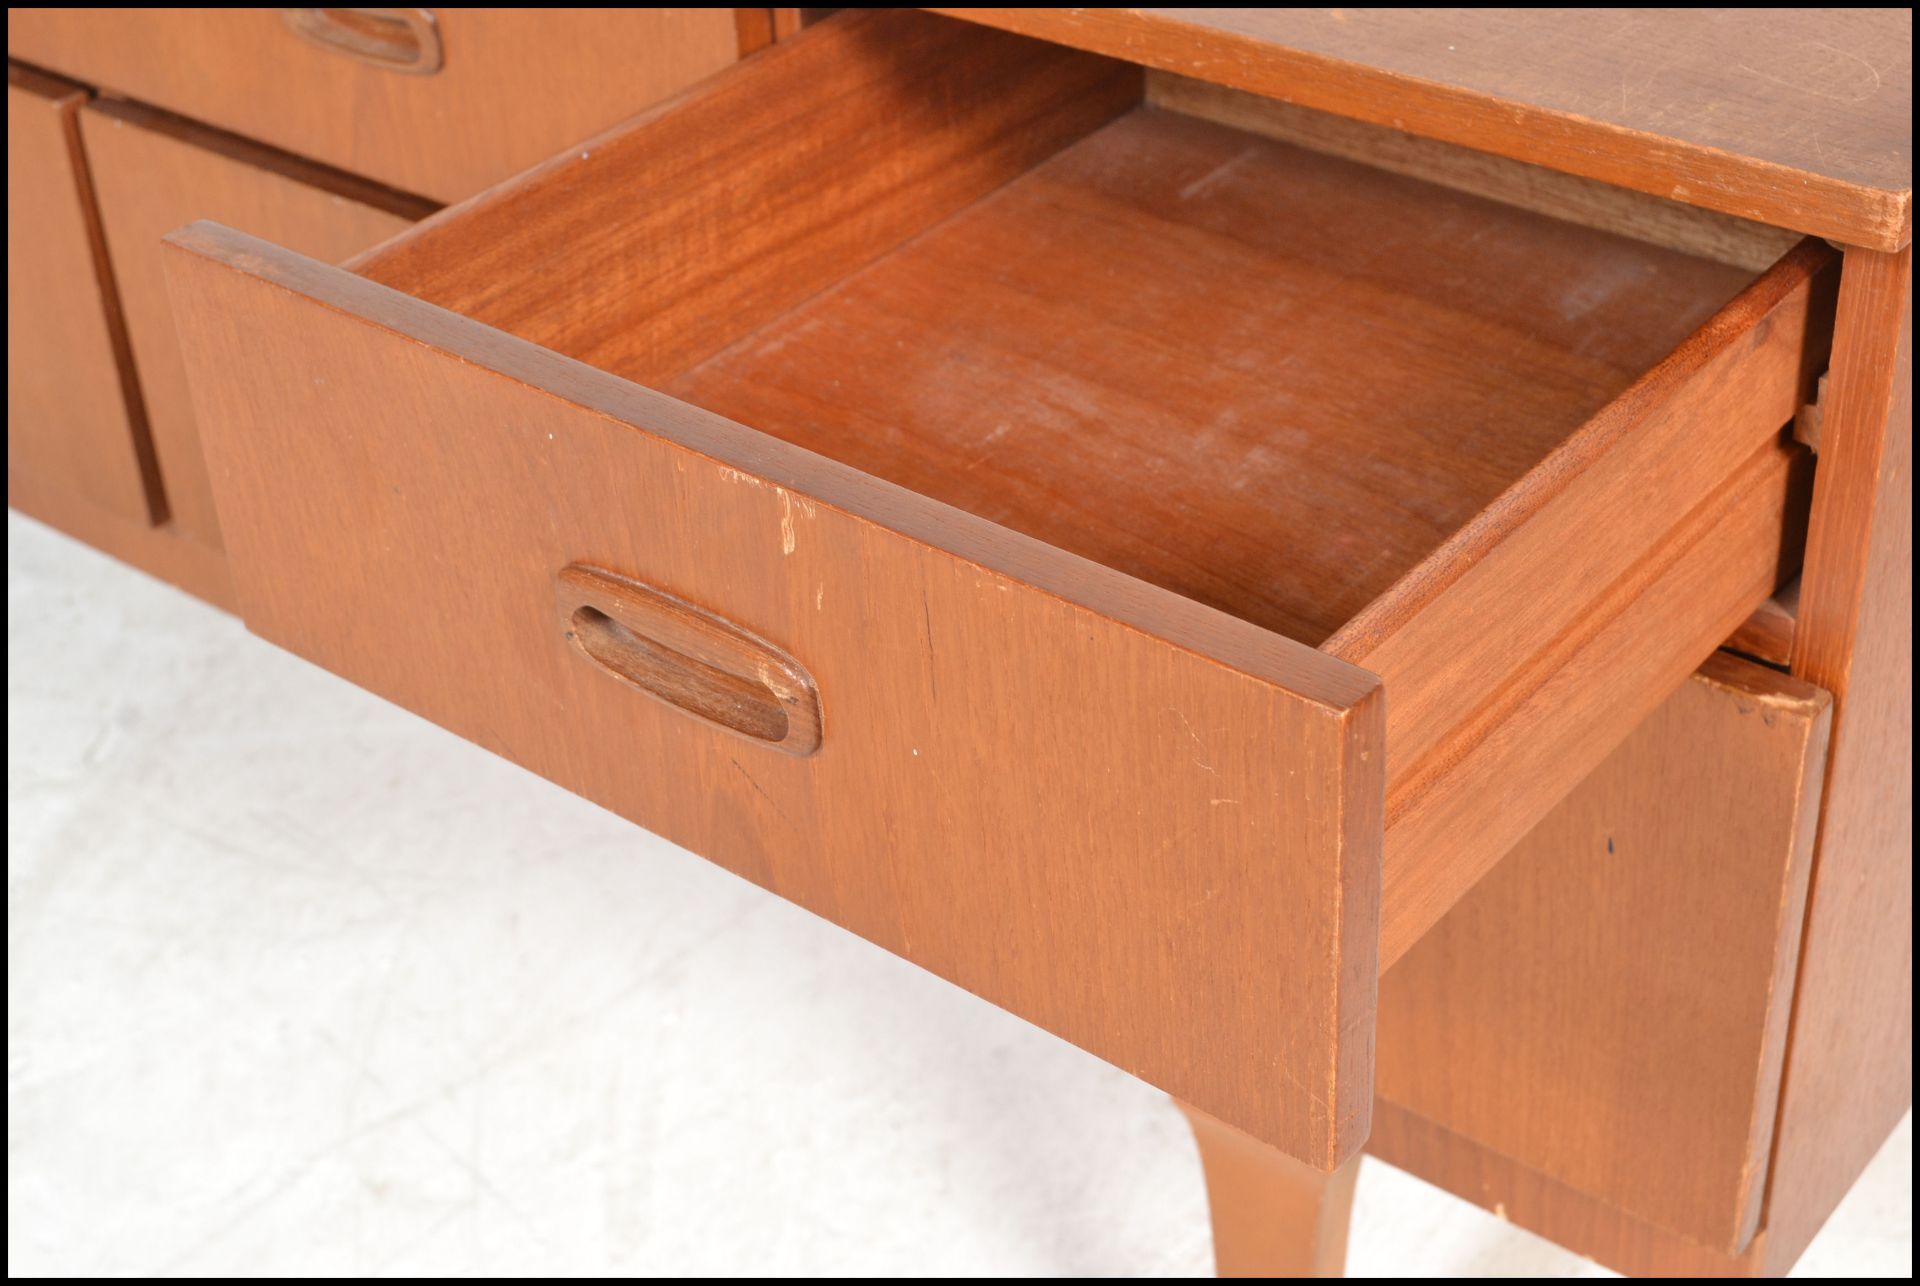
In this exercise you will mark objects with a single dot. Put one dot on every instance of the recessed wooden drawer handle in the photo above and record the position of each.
(689, 658)
(405, 40)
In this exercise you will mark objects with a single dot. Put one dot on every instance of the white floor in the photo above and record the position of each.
(298, 983)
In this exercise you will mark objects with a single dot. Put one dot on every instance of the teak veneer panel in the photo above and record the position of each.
(658, 244)
(1543, 1205)
(1312, 380)
(517, 85)
(1146, 826)
(980, 273)
(74, 419)
(1800, 118)
(1767, 635)
(153, 173)
(1660, 221)
(1608, 1007)
(1850, 1067)
(1491, 726)
(158, 551)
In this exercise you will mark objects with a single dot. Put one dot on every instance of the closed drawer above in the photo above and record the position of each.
(1139, 570)
(74, 423)
(438, 102)
(1608, 1009)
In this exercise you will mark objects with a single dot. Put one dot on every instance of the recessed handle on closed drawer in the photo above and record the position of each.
(689, 658)
(406, 40)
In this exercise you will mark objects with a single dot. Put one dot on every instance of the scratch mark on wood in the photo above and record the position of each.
(772, 803)
(1195, 738)
(926, 619)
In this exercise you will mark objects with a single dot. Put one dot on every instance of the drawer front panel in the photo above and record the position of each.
(1139, 823)
(153, 173)
(73, 415)
(1608, 1008)
(512, 86)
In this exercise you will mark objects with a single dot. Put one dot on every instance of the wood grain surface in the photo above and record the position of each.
(1767, 635)
(1542, 1204)
(74, 419)
(1660, 221)
(1489, 727)
(1015, 258)
(1800, 118)
(1342, 498)
(692, 660)
(518, 84)
(159, 551)
(1696, 586)
(1271, 1215)
(755, 29)
(1446, 444)
(153, 173)
(1296, 403)
(913, 117)
(1608, 1007)
(1850, 1067)
(1137, 279)
(1144, 825)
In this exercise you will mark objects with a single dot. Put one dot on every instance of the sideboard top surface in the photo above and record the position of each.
(1801, 118)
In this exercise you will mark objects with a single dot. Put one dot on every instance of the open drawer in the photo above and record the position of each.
(989, 511)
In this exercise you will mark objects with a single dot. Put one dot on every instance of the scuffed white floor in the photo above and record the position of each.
(298, 983)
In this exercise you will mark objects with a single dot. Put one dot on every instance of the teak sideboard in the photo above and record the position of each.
(1353, 563)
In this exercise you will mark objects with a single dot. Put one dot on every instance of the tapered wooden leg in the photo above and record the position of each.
(1273, 1216)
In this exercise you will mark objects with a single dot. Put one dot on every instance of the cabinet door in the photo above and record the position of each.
(1600, 1025)
(155, 172)
(73, 418)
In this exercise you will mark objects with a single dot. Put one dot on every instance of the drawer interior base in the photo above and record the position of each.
(1265, 378)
